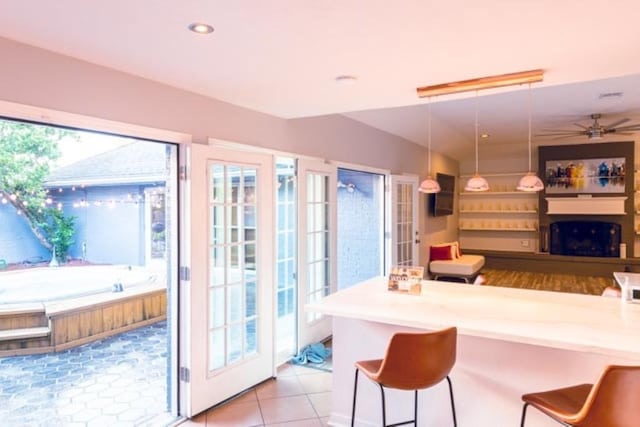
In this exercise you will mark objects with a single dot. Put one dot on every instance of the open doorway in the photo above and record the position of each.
(360, 226)
(88, 268)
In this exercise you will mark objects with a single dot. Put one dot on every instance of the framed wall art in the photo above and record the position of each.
(601, 175)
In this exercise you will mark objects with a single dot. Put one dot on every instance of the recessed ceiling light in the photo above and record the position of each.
(200, 28)
(346, 80)
(485, 135)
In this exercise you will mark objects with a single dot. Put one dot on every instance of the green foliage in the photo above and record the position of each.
(27, 153)
(60, 230)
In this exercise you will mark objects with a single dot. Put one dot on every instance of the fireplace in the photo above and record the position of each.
(585, 238)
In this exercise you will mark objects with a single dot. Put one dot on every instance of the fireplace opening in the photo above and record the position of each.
(585, 238)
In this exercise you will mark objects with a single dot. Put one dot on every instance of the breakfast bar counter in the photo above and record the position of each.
(510, 342)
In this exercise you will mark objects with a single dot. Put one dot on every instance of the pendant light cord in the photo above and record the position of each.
(529, 127)
(429, 131)
(476, 132)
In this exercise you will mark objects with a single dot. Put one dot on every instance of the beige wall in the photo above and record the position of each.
(35, 77)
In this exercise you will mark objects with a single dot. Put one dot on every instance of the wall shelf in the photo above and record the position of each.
(496, 229)
(493, 175)
(497, 193)
(586, 205)
(498, 211)
(501, 218)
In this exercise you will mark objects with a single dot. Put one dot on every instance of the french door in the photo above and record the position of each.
(317, 220)
(405, 238)
(230, 295)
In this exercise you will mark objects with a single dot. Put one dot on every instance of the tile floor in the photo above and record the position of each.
(299, 397)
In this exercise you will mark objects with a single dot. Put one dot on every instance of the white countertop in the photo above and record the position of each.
(553, 319)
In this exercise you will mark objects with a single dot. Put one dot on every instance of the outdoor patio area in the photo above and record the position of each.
(119, 381)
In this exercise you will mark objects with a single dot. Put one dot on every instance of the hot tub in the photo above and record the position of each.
(46, 284)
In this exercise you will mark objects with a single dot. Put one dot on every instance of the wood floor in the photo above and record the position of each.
(546, 281)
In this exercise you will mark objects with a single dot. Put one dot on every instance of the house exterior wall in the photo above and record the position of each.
(111, 233)
(360, 222)
(17, 242)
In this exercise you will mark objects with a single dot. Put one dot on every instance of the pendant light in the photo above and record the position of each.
(476, 183)
(530, 182)
(429, 185)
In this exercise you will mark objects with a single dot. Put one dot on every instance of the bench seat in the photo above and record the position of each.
(465, 267)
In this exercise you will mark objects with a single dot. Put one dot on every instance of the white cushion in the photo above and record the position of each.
(466, 265)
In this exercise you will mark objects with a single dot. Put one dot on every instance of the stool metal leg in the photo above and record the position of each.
(524, 414)
(355, 393)
(453, 405)
(415, 408)
(384, 412)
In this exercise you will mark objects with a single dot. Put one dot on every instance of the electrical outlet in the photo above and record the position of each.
(524, 243)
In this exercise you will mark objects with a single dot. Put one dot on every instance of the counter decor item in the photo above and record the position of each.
(406, 279)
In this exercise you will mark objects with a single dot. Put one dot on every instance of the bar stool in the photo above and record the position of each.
(413, 361)
(611, 402)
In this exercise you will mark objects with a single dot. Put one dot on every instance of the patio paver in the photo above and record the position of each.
(101, 383)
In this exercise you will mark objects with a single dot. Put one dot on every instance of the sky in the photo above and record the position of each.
(89, 145)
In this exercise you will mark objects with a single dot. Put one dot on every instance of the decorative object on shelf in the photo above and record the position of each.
(429, 185)
(530, 182)
(476, 183)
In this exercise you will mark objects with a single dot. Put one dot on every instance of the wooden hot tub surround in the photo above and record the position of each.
(59, 325)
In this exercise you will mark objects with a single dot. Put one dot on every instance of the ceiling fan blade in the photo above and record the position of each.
(616, 124)
(630, 127)
(566, 136)
(568, 133)
(558, 130)
(581, 126)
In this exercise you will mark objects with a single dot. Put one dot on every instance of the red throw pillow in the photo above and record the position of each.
(440, 253)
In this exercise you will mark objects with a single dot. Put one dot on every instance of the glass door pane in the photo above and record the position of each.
(318, 284)
(233, 281)
(317, 245)
(229, 297)
(286, 261)
(404, 220)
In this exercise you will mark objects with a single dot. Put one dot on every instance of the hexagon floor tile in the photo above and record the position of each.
(98, 384)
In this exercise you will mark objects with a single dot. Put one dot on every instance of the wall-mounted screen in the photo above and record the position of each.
(443, 201)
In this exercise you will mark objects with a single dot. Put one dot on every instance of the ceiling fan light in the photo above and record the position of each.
(476, 184)
(429, 185)
(530, 183)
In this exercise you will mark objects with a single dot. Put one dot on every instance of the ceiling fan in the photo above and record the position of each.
(595, 130)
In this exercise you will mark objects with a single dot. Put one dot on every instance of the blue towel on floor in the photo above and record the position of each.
(313, 353)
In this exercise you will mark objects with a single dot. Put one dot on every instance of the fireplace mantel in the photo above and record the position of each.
(585, 205)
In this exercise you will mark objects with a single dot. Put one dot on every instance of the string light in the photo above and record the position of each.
(129, 198)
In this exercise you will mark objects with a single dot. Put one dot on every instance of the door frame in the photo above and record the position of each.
(320, 328)
(195, 375)
(392, 217)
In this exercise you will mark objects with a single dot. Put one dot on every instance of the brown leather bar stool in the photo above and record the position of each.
(614, 401)
(413, 361)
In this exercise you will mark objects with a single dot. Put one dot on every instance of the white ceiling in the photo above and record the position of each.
(281, 57)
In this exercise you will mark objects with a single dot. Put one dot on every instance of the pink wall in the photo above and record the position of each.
(40, 78)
